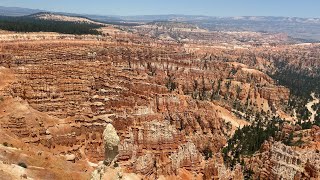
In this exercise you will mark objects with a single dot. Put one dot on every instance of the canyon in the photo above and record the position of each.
(140, 103)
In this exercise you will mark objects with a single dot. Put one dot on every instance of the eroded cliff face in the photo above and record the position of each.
(172, 110)
(157, 151)
(278, 161)
(158, 148)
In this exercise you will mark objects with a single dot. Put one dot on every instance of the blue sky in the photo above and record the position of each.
(290, 8)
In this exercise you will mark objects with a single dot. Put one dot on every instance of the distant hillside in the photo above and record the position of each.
(89, 19)
(303, 29)
(61, 17)
(16, 11)
(169, 17)
(174, 17)
(307, 29)
(33, 24)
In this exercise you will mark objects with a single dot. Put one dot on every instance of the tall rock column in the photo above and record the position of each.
(111, 141)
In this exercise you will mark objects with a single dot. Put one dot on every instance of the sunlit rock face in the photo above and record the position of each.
(277, 160)
(111, 141)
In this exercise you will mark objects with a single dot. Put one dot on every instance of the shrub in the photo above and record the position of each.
(207, 153)
(5, 144)
(24, 176)
(170, 84)
(22, 164)
(115, 164)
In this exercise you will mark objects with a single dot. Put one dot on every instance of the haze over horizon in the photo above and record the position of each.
(286, 8)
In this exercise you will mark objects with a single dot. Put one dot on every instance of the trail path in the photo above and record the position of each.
(309, 107)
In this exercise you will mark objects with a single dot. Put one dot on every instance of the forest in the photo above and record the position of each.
(301, 84)
(30, 24)
(248, 140)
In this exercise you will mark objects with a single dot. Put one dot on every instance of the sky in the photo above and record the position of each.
(288, 8)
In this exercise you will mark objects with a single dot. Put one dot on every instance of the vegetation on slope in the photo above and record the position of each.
(301, 84)
(248, 140)
(30, 24)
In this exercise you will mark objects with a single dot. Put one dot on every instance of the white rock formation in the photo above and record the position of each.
(111, 141)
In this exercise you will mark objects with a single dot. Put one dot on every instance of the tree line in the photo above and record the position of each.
(30, 24)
